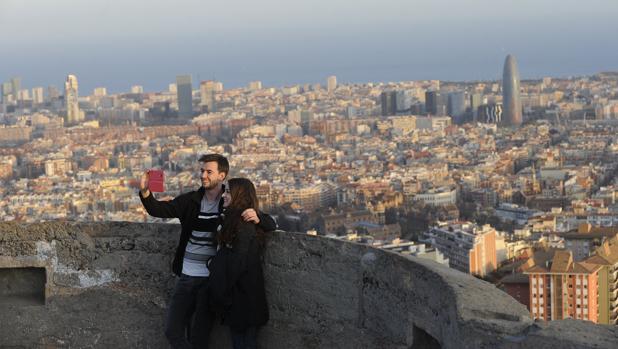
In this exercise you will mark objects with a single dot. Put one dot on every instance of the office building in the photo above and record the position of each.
(53, 93)
(388, 102)
(403, 101)
(184, 91)
(331, 83)
(490, 113)
(37, 95)
(23, 95)
(207, 95)
(510, 91)
(456, 107)
(435, 103)
(475, 102)
(15, 86)
(6, 92)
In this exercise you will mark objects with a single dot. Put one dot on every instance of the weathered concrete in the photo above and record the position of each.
(108, 284)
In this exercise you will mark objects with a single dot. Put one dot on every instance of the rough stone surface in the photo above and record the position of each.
(108, 285)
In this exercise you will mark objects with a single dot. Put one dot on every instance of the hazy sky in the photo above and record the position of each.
(117, 44)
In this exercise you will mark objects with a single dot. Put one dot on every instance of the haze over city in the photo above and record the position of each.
(122, 43)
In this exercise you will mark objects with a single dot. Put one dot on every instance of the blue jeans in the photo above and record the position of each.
(246, 339)
(189, 321)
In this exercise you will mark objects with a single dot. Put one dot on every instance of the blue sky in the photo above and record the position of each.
(117, 44)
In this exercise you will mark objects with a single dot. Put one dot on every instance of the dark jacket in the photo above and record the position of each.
(247, 296)
(186, 207)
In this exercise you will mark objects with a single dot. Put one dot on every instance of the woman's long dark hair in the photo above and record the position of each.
(243, 196)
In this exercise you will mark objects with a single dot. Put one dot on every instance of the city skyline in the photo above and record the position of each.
(423, 168)
(283, 44)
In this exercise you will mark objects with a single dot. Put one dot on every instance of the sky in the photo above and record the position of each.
(120, 43)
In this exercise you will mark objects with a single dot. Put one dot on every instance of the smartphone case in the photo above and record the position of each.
(156, 181)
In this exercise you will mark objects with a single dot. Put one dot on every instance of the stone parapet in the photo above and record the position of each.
(107, 285)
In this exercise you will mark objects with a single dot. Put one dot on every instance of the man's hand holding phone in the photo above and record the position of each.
(156, 181)
(143, 184)
(152, 181)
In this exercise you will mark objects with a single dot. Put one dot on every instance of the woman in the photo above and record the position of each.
(244, 308)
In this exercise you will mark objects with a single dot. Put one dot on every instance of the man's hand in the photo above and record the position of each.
(249, 215)
(143, 185)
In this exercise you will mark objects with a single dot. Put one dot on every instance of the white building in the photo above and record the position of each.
(331, 83)
(438, 197)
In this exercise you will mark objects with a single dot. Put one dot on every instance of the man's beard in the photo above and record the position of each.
(211, 185)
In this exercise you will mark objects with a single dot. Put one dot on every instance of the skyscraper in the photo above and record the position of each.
(475, 103)
(490, 113)
(52, 92)
(456, 106)
(435, 103)
(70, 100)
(16, 85)
(184, 92)
(388, 103)
(207, 95)
(37, 95)
(7, 91)
(512, 115)
(403, 101)
(331, 83)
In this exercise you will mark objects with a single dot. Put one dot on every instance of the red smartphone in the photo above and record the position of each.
(156, 181)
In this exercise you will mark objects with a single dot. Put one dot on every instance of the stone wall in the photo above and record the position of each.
(108, 284)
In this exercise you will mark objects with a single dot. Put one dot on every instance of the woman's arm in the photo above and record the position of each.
(267, 223)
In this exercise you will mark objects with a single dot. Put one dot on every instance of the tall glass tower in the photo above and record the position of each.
(184, 90)
(512, 111)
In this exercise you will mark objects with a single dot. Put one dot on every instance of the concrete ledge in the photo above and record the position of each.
(108, 284)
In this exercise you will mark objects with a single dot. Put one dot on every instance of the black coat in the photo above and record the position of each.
(186, 207)
(245, 300)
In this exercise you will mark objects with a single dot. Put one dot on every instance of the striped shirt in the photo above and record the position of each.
(202, 244)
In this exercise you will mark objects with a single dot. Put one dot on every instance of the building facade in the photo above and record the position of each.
(71, 95)
(469, 248)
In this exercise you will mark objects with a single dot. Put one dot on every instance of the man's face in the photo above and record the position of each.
(210, 175)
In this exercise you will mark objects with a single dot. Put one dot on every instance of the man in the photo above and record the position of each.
(199, 214)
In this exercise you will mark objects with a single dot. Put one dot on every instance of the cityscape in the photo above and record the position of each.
(513, 181)
(437, 174)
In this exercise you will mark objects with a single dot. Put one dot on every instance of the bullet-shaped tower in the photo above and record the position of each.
(512, 111)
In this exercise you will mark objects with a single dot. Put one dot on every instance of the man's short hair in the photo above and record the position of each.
(222, 164)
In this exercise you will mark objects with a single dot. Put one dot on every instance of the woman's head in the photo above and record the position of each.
(241, 195)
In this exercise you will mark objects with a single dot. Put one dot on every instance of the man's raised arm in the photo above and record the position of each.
(154, 207)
